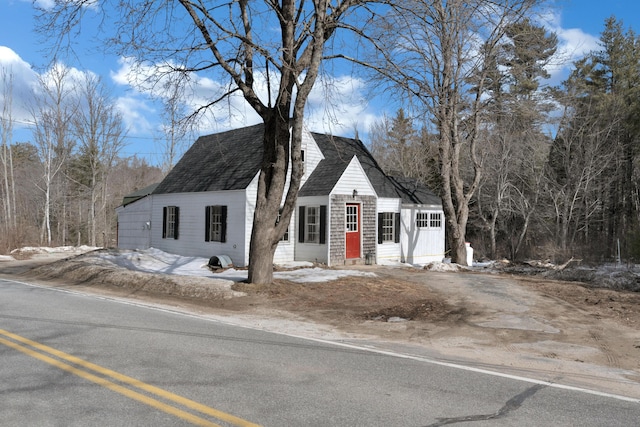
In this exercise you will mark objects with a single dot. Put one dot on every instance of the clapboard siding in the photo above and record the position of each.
(389, 251)
(312, 154)
(353, 178)
(285, 252)
(314, 252)
(421, 245)
(134, 224)
(191, 238)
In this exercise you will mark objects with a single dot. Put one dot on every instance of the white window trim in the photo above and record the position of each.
(426, 218)
(393, 225)
(307, 223)
(215, 211)
(170, 222)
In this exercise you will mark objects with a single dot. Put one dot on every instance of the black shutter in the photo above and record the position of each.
(164, 222)
(380, 219)
(223, 229)
(207, 223)
(323, 225)
(301, 212)
(396, 228)
(175, 233)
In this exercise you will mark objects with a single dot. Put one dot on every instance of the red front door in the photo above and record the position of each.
(353, 231)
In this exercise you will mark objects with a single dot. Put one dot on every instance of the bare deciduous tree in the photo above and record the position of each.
(400, 148)
(276, 44)
(176, 127)
(52, 111)
(9, 220)
(100, 132)
(442, 61)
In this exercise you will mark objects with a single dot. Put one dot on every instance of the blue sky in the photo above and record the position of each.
(578, 24)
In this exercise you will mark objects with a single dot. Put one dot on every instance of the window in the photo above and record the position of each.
(435, 220)
(388, 227)
(352, 218)
(422, 220)
(312, 224)
(170, 221)
(215, 224)
(302, 161)
(284, 238)
(313, 229)
(429, 219)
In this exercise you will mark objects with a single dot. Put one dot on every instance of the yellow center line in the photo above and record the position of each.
(124, 379)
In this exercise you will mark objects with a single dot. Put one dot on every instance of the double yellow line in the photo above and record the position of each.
(84, 370)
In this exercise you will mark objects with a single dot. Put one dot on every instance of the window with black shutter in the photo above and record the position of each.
(170, 222)
(312, 224)
(215, 224)
(388, 227)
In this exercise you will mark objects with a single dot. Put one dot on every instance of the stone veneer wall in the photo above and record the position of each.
(337, 228)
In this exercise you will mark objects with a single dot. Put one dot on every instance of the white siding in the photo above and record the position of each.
(389, 251)
(191, 229)
(250, 208)
(421, 245)
(312, 154)
(313, 251)
(285, 250)
(134, 224)
(354, 178)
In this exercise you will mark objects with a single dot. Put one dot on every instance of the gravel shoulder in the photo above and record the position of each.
(528, 326)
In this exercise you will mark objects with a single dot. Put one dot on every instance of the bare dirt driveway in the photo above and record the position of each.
(527, 326)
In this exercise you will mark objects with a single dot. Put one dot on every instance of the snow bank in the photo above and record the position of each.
(156, 261)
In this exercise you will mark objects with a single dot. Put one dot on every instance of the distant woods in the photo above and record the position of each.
(62, 187)
(524, 169)
(559, 166)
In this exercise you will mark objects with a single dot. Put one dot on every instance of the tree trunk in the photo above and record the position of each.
(271, 185)
(261, 253)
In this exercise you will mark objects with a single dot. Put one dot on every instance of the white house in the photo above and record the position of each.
(348, 210)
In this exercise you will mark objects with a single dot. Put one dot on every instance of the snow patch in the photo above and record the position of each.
(156, 261)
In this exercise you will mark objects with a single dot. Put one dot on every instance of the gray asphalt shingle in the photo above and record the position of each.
(229, 161)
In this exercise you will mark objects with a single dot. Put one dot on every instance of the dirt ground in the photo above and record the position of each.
(526, 326)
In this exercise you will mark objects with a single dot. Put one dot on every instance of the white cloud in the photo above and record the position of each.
(336, 105)
(135, 113)
(573, 44)
(45, 4)
(339, 105)
(50, 4)
(18, 78)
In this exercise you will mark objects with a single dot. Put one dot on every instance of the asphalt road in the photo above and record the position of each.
(68, 359)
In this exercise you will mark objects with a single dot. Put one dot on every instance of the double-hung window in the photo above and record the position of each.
(388, 227)
(312, 224)
(215, 224)
(170, 222)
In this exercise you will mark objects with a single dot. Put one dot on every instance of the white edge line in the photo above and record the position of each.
(339, 344)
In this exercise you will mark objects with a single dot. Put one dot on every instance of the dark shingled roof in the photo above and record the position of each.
(229, 161)
(338, 152)
(222, 161)
(139, 194)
